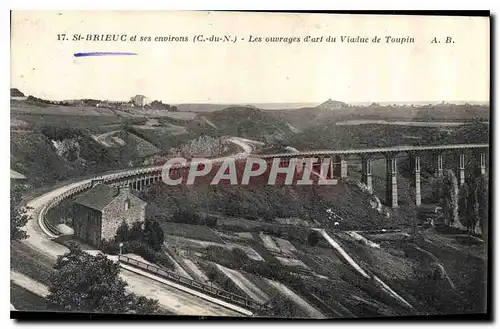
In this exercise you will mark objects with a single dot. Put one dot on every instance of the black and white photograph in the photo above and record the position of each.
(249, 164)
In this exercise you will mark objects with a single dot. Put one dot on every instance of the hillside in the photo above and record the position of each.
(260, 201)
(332, 112)
(46, 158)
(328, 135)
(241, 121)
(14, 92)
(331, 105)
(435, 273)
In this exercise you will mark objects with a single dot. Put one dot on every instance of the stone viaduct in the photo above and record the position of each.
(341, 157)
(140, 178)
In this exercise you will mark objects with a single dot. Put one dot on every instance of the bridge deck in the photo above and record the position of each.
(393, 149)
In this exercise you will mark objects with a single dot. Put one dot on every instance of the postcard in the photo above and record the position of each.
(249, 164)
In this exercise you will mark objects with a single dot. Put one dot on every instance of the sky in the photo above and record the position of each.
(251, 72)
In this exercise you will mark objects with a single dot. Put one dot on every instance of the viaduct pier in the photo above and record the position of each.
(338, 160)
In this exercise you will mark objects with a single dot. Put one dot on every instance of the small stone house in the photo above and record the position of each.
(101, 210)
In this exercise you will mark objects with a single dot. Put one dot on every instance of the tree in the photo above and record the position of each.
(85, 283)
(122, 233)
(18, 215)
(154, 234)
(136, 232)
(14, 92)
(158, 105)
(450, 199)
(281, 307)
(466, 207)
(313, 238)
(482, 198)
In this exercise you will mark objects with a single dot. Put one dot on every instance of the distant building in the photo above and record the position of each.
(139, 100)
(100, 211)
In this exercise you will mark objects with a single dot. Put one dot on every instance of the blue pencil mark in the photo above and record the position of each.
(105, 53)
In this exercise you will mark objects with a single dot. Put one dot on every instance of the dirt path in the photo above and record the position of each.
(343, 253)
(102, 138)
(268, 242)
(199, 274)
(247, 145)
(178, 268)
(358, 237)
(247, 148)
(299, 301)
(244, 284)
(38, 238)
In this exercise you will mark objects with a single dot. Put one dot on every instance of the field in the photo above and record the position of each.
(24, 300)
(196, 232)
(163, 139)
(44, 109)
(187, 246)
(30, 263)
(49, 109)
(241, 224)
(169, 128)
(91, 123)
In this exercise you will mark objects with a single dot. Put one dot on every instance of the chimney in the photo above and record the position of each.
(124, 189)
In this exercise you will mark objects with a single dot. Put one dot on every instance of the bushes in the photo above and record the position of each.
(190, 217)
(151, 255)
(59, 134)
(187, 216)
(122, 233)
(146, 242)
(140, 249)
(313, 238)
(196, 232)
(473, 205)
(204, 147)
(283, 308)
(292, 233)
(263, 203)
(153, 235)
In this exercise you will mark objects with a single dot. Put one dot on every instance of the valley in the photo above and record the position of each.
(308, 251)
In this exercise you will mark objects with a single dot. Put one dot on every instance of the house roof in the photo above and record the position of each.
(98, 197)
(101, 195)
